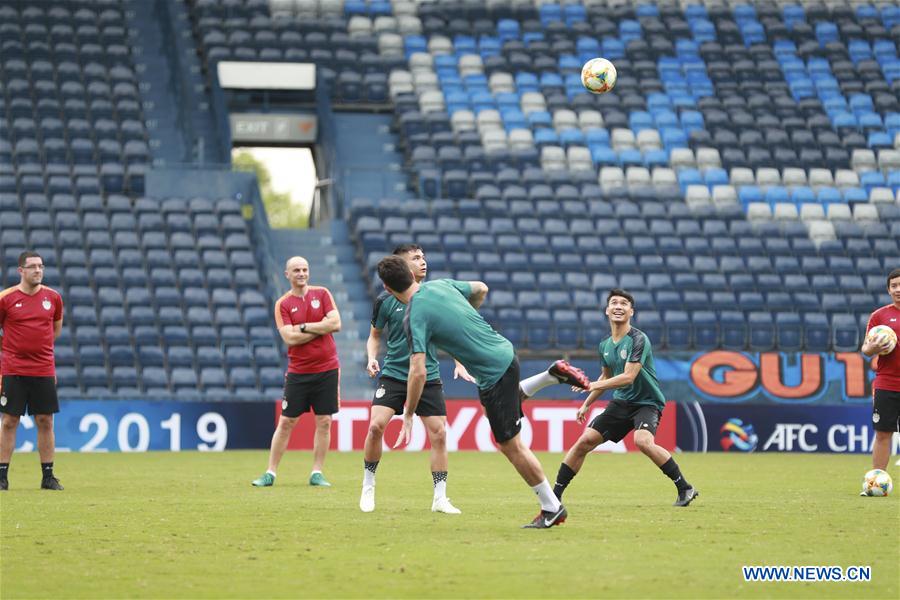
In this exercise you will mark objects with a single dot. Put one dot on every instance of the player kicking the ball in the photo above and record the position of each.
(443, 313)
(638, 402)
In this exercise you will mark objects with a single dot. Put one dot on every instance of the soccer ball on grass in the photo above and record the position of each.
(877, 483)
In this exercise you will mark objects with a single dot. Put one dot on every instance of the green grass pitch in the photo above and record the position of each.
(189, 525)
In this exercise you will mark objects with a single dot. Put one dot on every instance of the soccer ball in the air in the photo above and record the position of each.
(884, 331)
(877, 483)
(598, 75)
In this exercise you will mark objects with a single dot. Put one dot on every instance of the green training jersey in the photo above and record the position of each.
(390, 312)
(440, 314)
(633, 347)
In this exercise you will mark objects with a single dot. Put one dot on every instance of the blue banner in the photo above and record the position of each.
(139, 426)
(728, 377)
(772, 428)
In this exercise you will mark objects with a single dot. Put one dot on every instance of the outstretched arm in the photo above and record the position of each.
(610, 383)
(478, 294)
(460, 372)
(592, 397)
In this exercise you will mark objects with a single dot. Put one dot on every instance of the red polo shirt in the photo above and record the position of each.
(320, 354)
(27, 323)
(887, 368)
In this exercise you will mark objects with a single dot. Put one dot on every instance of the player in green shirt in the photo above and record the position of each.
(390, 395)
(443, 313)
(627, 364)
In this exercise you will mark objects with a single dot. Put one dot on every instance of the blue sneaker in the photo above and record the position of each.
(318, 479)
(264, 480)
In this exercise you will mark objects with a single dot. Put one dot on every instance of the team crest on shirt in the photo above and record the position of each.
(380, 392)
(46, 304)
(315, 303)
(623, 354)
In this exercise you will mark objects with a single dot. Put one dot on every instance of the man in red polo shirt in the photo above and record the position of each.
(306, 318)
(886, 387)
(31, 317)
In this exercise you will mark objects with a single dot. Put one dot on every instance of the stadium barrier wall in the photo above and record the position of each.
(767, 428)
(547, 426)
(139, 426)
(729, 377)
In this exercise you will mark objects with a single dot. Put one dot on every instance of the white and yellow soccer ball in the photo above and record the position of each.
(598, 75)
(886, 332)
(877, 483)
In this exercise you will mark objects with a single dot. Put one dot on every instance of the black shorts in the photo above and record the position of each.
(619, 418)
(392, 394)
(37, 394)
(886, 411)
(319, 391)
(502, 404)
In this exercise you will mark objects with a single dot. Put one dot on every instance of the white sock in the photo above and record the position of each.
(536, 383)
(440, 483)
(440, 489)
(271, 472)
(545, 494)
(314, 471)
(368, 477)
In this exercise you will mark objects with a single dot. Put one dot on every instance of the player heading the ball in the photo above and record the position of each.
(443, 313)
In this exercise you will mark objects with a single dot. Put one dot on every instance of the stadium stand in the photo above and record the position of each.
(739, 143)
(162, 296)
(743, 178)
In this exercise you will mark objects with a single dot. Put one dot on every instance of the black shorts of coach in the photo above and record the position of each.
(619, 418)
(319, 391)
(392, 394)
(21, 392)
(502, 404)
(886, 410)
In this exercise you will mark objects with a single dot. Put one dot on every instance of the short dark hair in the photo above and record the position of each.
(395, 273)
(26, 255)
(622, 294)
(404, 248)
(893, 275)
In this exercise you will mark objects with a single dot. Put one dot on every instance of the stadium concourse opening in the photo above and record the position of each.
(287, 181)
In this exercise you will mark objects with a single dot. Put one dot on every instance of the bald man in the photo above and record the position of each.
(306, 318)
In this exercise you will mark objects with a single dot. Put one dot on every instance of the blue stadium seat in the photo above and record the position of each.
(705, 329)
(678, 330)
(539, 329)
(733, 329)
(845, 334)
(762, 331)
(789, 331)
(817, 333)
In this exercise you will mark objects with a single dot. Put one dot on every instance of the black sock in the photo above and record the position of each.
(370, 466)
(4, 470)
(438, 476)
(670, 468)
(563, 478)
(47, 469)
